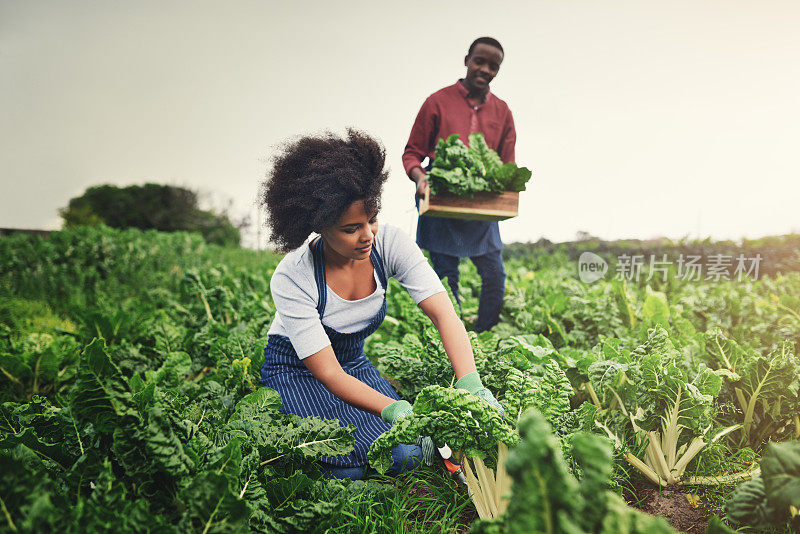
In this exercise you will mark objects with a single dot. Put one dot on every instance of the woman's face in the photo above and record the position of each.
(353, 234)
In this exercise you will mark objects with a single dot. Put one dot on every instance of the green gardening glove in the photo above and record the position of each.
(396, 411)
(472, 383)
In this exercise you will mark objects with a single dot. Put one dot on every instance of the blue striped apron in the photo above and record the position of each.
(304, 395)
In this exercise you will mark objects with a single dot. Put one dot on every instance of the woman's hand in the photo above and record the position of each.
(326, 368)
(396, 411)
(472, 383)
(399, 409)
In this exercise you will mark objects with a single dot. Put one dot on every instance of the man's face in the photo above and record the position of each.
(482, 66)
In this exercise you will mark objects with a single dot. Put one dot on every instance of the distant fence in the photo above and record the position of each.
(8, 231)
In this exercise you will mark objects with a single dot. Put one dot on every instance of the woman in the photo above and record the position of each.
(330, 294)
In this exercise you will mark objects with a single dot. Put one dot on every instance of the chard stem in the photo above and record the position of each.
(694, 448)
(80, 443)
(10, 376)
(241, 494)
(207, 307)
(672, 431)
(475, 490)
(211, 517)
(593, 395)
(644, 469)
(619, 400)
(751, 406)
(655, 442)
(725, 479)
(11, 524)
(740, 397)
(488, 485)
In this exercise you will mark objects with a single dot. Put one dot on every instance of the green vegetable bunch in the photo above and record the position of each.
(451, 416)
(465, 423)
(764, 389)
(465, 170)
(142, 453)
(547, 498)
(651, 398)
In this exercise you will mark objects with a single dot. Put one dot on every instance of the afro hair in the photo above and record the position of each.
(315, 179)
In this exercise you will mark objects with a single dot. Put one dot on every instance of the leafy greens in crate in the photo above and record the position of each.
(465, 170)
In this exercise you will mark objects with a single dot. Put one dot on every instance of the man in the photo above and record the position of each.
(463, 108)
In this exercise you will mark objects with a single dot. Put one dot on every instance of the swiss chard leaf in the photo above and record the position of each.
(101, 395)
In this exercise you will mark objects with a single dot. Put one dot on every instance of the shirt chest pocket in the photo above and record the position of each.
(491, 131)
(492, 125)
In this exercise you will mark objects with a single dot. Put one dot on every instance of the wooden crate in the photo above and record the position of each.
(483, 207)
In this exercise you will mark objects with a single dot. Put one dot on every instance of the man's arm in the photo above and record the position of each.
(420, 142)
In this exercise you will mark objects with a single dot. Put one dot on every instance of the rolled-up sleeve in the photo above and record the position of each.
(422, 137)
(298, 313)
(407, 264)
(508, 140)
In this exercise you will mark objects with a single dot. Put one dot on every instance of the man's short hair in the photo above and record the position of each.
(485, 40)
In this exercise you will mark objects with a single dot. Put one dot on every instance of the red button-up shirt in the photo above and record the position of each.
(447, 112)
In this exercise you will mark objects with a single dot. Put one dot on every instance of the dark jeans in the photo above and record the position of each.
(493, 283)
(406, 457)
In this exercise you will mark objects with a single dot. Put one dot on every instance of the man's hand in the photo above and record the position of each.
(422, 186)
(420, 178)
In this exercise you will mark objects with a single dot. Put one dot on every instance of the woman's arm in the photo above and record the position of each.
(454, 336)
(456, 343)
(325, 368)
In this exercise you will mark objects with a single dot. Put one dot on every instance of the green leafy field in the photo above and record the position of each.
(130, 399)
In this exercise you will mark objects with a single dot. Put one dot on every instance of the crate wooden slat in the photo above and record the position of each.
(483, 207)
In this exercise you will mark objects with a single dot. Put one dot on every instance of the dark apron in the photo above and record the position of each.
(304, 395)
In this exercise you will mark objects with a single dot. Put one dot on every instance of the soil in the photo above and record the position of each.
(671, 504)
(467, 516)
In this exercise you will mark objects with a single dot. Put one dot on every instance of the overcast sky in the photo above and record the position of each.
(638, 118)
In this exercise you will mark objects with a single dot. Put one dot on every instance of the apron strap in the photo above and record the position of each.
(320, 278)
(377, 263)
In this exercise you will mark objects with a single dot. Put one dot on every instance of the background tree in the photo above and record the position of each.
(149, 207)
